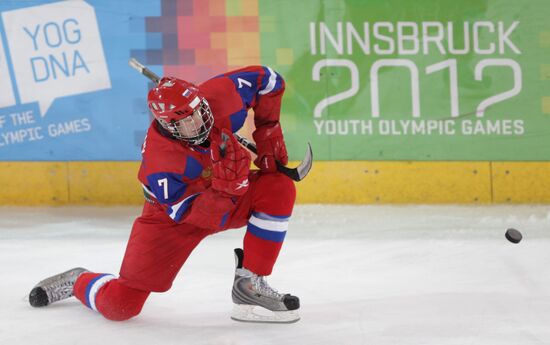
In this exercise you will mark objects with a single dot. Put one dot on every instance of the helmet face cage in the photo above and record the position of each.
(193, 129)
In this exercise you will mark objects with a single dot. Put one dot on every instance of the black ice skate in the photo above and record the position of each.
(255, 301)
(55, 288)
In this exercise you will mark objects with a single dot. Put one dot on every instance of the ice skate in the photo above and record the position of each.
(255, 301)
(55, 288)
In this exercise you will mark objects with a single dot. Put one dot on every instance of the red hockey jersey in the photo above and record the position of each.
(176, 175)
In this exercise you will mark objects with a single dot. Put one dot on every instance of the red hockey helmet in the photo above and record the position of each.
(178, 107)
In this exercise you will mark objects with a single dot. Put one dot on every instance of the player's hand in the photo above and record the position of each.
(271, 147)
(230, 164)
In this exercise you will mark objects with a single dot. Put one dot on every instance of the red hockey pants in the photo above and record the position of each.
(158, 247)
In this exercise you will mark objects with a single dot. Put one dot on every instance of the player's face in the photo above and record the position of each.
(191, 126)
(193, 129)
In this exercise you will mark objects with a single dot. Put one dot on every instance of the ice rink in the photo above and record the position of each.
(371, 275)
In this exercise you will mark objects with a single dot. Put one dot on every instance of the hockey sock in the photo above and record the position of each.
(262, 242)
(88, 285)
(106, 295)
(273, 200)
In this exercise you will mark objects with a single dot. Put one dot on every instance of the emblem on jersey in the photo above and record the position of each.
(207, 173)
(186, 93)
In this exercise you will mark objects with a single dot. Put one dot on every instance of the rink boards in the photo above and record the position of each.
(341, 182)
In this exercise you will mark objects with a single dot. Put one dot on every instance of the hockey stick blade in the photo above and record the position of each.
(301, 171)
(297, 174)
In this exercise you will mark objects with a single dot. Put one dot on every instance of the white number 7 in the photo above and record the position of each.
(164, 183)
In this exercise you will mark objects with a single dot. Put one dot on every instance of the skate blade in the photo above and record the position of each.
(254, 313)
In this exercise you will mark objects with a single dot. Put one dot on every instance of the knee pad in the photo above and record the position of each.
(118, 302)
(275, 194)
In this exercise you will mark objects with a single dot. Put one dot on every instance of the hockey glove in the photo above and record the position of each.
(230, 165)
(271, 147)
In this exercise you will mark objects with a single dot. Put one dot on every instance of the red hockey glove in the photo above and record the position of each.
(271, 147)
(230, 165)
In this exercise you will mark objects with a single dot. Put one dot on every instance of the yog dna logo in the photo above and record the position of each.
(55, 51)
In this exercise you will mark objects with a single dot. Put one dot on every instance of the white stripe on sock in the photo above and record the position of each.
(95, 288)
(269, 224)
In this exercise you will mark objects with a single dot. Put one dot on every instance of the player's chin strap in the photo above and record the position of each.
(297, 174)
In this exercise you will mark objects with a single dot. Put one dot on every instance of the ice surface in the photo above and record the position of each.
(365, 275)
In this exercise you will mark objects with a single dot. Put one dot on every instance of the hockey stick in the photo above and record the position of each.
(297, 174)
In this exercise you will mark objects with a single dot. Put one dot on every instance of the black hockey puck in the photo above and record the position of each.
(513, 235)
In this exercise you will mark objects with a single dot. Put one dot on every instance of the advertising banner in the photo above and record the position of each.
(66, 90)
(437, 80)
(414, 80)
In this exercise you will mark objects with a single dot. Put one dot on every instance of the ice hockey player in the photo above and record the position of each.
(197, 181)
